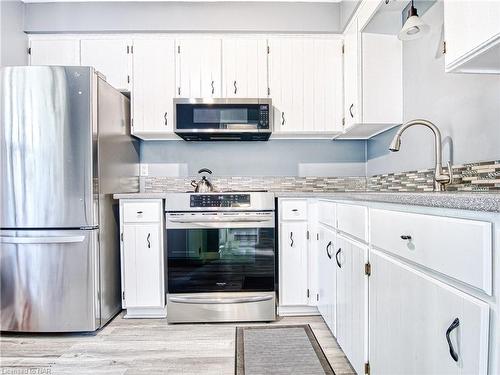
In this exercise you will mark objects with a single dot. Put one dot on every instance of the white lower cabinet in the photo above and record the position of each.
(298, 252)
(327, 277)
(351, 301)
(142, 259)
(293, 264)
(412, 328)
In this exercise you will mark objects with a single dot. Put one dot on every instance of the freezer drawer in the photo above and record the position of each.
(49, 281)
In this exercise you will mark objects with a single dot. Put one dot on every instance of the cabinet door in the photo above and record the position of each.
(153, 87)
(352, 105)
(351, 301)
(293, 264)
(110, 57)
(143, 265)
(244, 70)
(410, 313)
(305, 80)
(199, 68)
(55, 52)
(468, 26)
(327, 277)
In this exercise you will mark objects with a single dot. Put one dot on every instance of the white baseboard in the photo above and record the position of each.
(151, 313)
(297, 310)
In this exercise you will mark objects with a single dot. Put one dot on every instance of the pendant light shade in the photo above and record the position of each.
(414, 27)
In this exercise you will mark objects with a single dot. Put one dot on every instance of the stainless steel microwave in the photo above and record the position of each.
(223, 119)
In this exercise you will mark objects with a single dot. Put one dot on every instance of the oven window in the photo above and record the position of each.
(217, 116)
(229, 259)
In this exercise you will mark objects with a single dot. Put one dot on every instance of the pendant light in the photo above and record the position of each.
(414, 27)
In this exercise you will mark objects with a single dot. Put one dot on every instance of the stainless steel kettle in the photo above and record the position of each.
(203, 186)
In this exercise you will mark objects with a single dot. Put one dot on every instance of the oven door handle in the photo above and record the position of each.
(212, 301)
(218, 220)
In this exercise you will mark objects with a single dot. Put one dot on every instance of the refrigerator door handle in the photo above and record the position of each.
(42, 240)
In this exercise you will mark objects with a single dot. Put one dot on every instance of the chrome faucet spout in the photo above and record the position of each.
(440, 178)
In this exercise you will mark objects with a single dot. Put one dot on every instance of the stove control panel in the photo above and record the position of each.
(220, 200)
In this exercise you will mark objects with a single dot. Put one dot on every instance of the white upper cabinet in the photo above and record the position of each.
(351, 75)
(244, 68)
(373, 66)
(199, 68)
(472, 35)
(305, 82)
(110, 57)
(153, 88)
(55, 52)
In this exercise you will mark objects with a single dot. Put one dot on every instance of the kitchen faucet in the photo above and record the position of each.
(441, 179)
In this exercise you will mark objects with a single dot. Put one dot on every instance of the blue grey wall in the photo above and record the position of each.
(272, 158)
(466, 107)
(182, 17)
(13, 41)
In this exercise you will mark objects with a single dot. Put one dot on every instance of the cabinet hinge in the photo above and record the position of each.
(29, 50)
(368, 269)
(123, 295)
(178, 49)
(268, 50)
(121, 236)
(444, 47)
(367, 368)
(307, 293)
(307, 234)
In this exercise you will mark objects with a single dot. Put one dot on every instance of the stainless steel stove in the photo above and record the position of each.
(221, 257)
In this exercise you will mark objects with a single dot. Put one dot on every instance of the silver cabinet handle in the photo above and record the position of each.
(198, 300)
(291, 239)
(350, 110)
(235, 88)
(282, 118)
(149, 242)
(166, 120)
(42, 240)
(213, 88)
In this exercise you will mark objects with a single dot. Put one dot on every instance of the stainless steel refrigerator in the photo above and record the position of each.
(65, 148)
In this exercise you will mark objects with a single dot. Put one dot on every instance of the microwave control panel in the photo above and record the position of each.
(264, 116)
(222, 200)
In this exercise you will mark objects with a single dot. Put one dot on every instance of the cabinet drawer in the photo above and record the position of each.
(294, 209)
(459, 248)
(140, 212)
(327, 213)
(352, 220)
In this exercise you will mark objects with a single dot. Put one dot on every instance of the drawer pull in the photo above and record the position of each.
(328, 250)
(453, 325)
(294, 210)
(405, 237)
(149, 242)
(337, 257)
(291, 239)
(139, 212)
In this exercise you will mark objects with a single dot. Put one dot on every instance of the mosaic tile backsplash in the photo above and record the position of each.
(481, 177)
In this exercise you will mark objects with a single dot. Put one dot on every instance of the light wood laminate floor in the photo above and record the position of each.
(144, 346)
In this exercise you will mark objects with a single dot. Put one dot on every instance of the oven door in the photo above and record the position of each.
(220, 252)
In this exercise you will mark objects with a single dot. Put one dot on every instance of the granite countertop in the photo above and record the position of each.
(486, 202)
